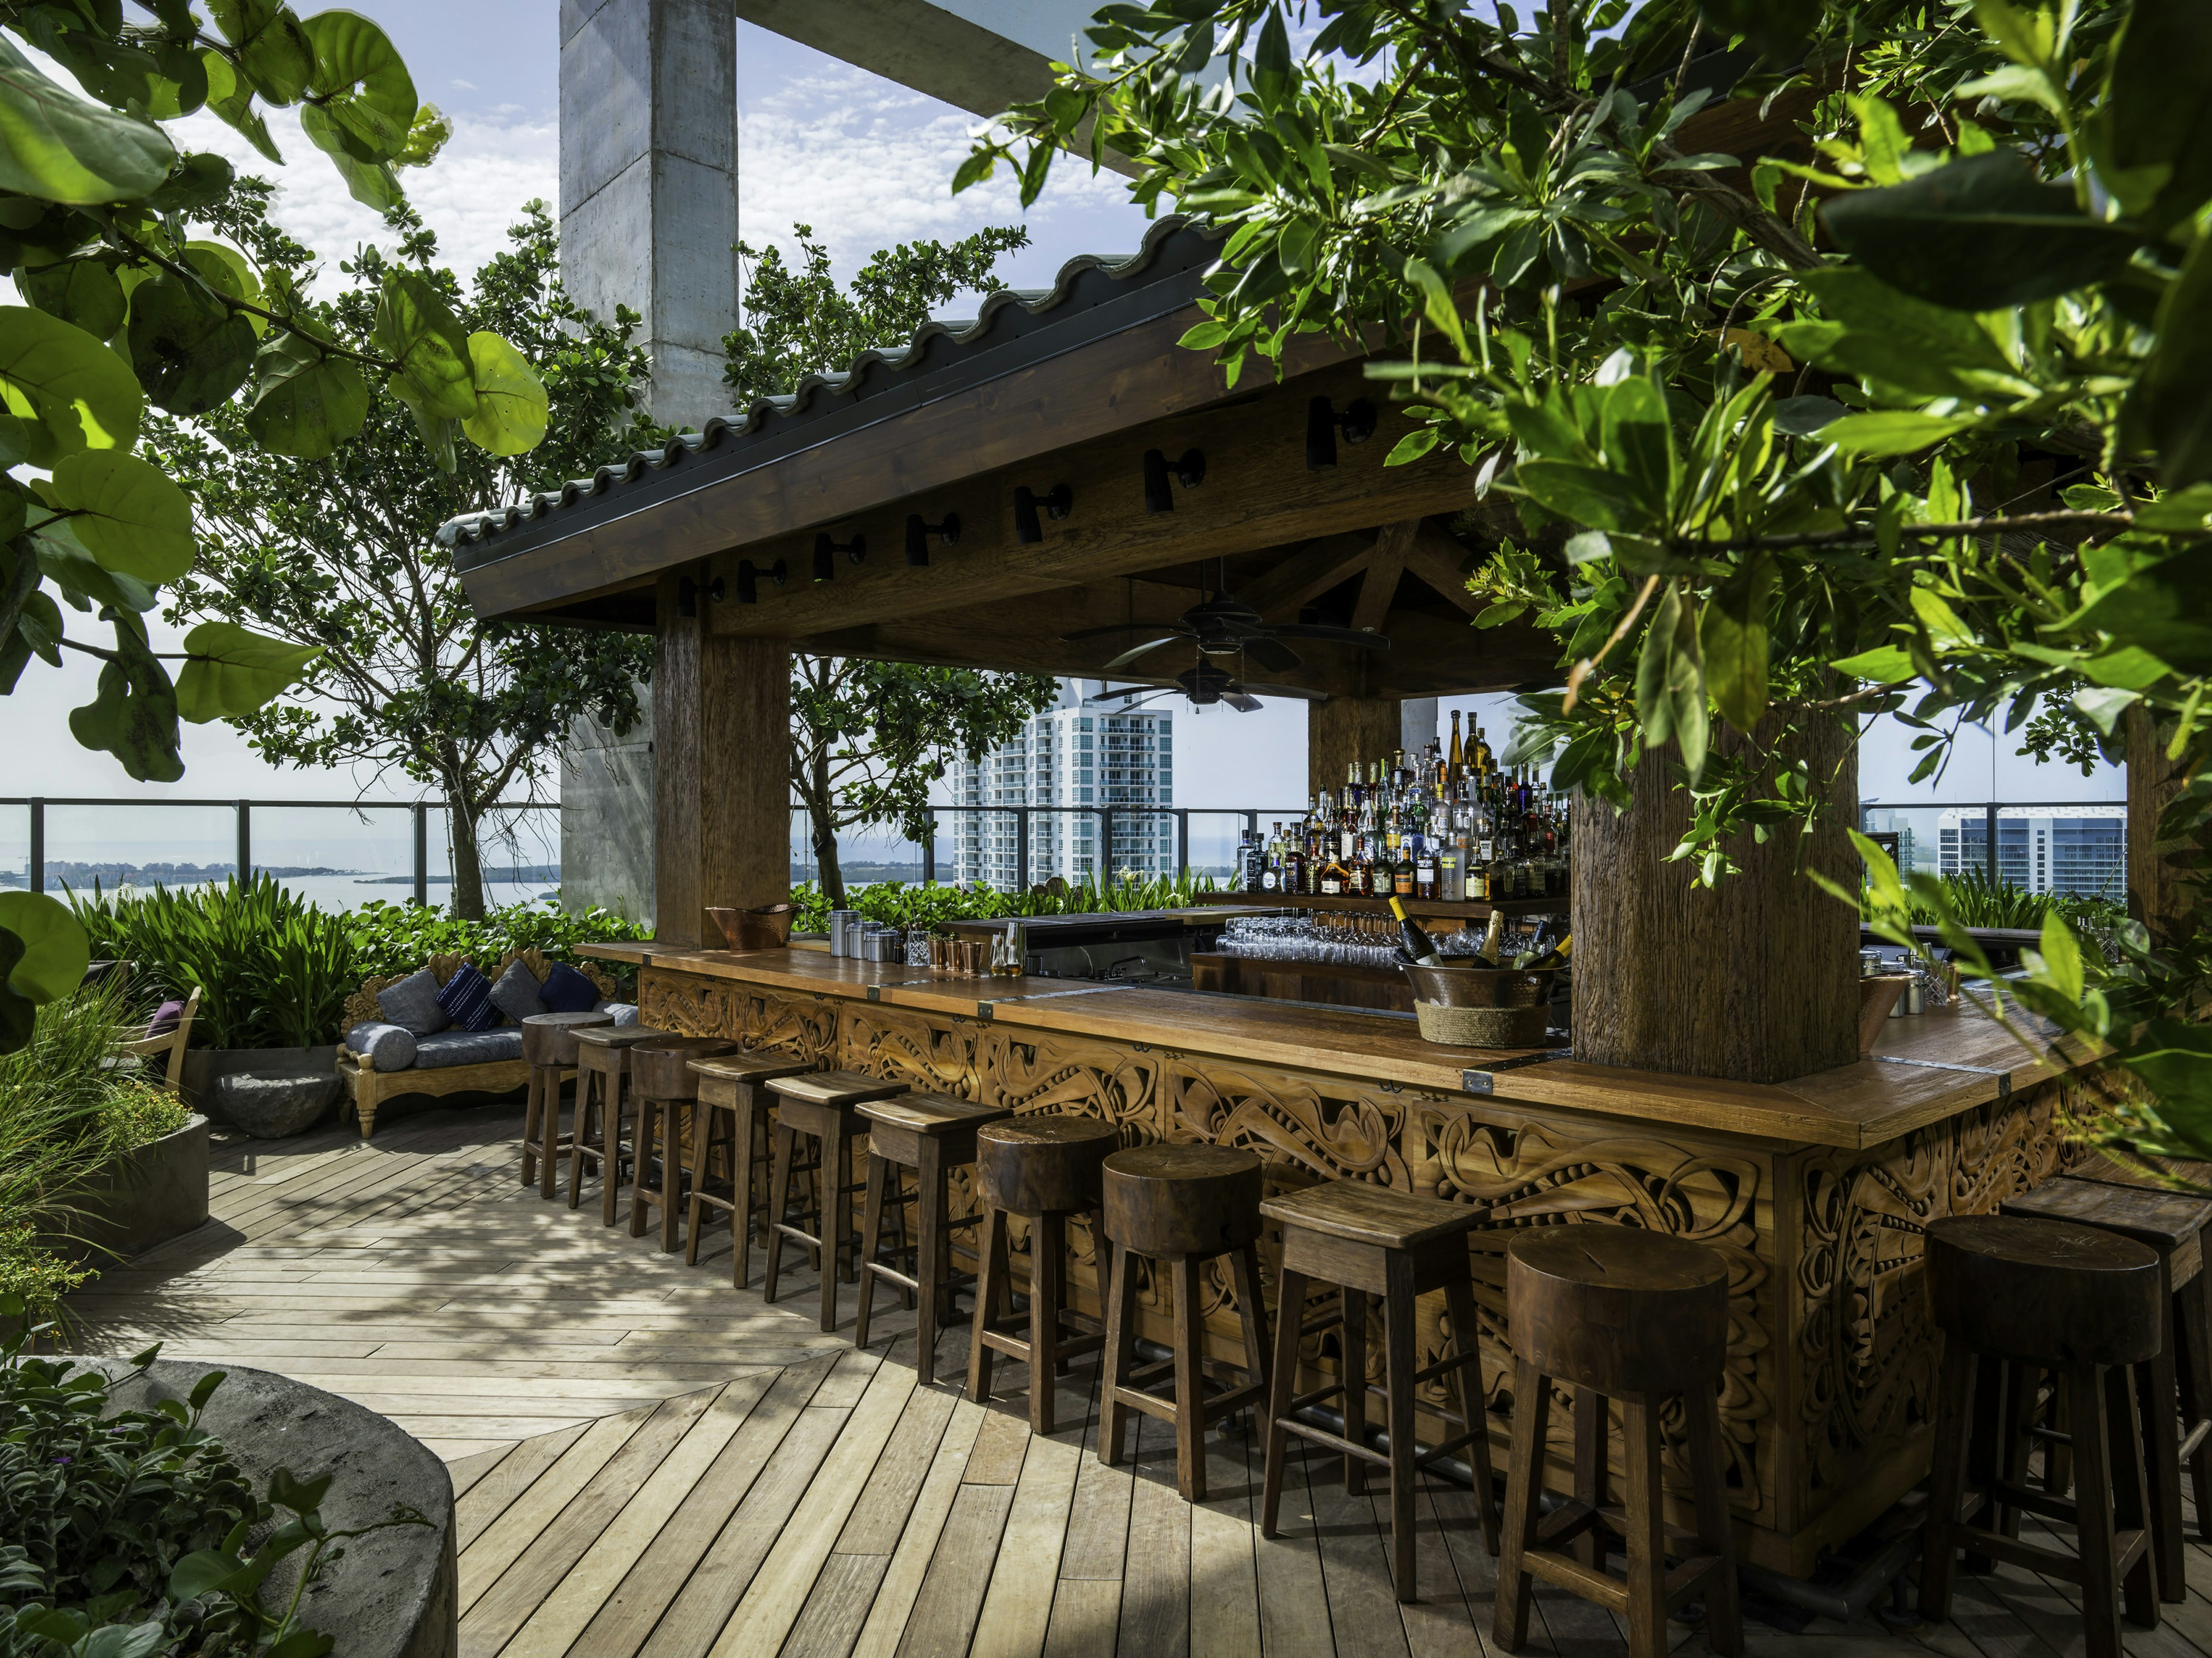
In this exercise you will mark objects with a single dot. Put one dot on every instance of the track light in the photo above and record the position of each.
(946, 530)
(1322, 424)
(1057, 501)
(1189, 471)
(826, 551)
(749, 579)
(688, 591)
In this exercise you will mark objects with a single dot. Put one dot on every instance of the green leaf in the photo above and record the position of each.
(416, 329)
(128, 514)
(232, 104)
(1890, 335)
(305, 402)
(1979, 234)
(2172, 403)
(369, 181)
(1772, 28)
(56, 951)
(56, 147)
(1885, 664)
(1893, 431)
(1271, 62)
(1589, 496)
(199, 180)
(1654, 709)
(66, 563)
(2164, 608)
(228, 272)
(2062, 957)
(229, 673)
(134, 714)
(1733, 637)
(360, 73)
(510, 414)
(274, 49)
(1946, 631)
(79, 393)
(190, 352)
(2157, 123)
(1437, 301)
(82, 293)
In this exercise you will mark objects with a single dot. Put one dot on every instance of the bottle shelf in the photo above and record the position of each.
(1476, 909)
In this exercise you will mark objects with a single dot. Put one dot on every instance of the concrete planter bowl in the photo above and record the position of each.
(146, 1197)
(395, 1594)
(270, 1093)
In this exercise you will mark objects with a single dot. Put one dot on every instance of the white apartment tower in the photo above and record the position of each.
(1094, 763)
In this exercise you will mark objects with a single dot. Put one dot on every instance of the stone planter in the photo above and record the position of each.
(395, 1594)
(151, 1195)
(206, 1067)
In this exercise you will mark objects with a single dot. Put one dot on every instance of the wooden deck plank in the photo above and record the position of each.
(1224, 1590)
(901, 1584)
(880, 1515)
(502, 1542)
(465, 1472)
(831, 1620)
(1086, 1616)
(1018, 1606)
(944, 1616)
(1156, 1586)
(1293, 1603)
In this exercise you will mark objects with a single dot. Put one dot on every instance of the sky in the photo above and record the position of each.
(867, 163)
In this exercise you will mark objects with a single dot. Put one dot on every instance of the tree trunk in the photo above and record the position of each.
(821, 811)
(2160, 874)
(1756, 980)
(468, 893)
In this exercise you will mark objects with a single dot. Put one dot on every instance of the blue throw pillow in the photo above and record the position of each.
(466, 999)
(567, 991)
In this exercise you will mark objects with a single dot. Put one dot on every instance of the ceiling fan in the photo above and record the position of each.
(1221, 626)
(1205, 685)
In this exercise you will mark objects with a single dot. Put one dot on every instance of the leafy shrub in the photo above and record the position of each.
(395, 938)
(273, 970)
(1979, 901)
(908, 904)
(137, 1523)
(64, 1116)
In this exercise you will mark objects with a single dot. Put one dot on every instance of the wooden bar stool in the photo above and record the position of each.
(1620, 1313)
(660, 1071)
(2017, 1294)
(1182, 1205)
(823, 1107)
(600, 1139)
(2175, 1387)
(1371, 1240)
(1044, 1168)
(932, 1135)
(732, 1110)
(549, 1048)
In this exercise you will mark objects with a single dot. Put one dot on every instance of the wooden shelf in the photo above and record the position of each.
(1474, 909)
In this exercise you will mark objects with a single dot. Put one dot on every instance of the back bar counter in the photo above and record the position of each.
(1816, 1191)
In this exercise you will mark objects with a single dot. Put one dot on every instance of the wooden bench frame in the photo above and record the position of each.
(366, 1088)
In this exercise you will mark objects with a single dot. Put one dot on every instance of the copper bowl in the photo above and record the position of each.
(1479, 987)
(768, 928)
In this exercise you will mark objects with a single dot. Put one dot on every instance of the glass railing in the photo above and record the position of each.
(1010, 847)
(2074, 847)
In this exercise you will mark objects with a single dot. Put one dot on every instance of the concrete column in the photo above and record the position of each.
(606, 817)
(649, 184)
(1417, 723)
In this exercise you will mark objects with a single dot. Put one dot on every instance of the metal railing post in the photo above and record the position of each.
(245, 841)
(1106, 843)
(1021, 847)
(1990, 840)
(421, 854)
(37, 871)
(1182, 840)
(929, 852)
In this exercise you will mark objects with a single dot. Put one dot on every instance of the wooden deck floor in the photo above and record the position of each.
(651, 1462)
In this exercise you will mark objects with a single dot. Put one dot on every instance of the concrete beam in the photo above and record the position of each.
(977, 55)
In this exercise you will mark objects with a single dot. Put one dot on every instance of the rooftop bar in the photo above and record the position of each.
(1815, 1189)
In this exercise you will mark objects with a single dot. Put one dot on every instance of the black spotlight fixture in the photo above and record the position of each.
(1160, 471)
(749, 579)
(826, 551)
(688, 591)
(1357, 422)
(917, 532)
(1057, 501)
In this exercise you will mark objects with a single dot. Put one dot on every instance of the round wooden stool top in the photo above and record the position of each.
(1618, 1308)
(1042, 1163)
(662, 1070)
(550, 1038)
(1170, 1202)
(2047, 1292)
(616, 1040)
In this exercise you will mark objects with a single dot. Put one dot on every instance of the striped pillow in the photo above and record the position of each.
(466, 998)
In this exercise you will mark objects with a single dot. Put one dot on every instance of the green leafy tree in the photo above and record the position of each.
(868, 738)
(1918, 424)
(125, 307)
(336, 555)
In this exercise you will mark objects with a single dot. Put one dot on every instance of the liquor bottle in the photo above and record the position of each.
(1294, 861)
(1424, 870)
(1482, 755)
(1271, 870)
(1415, 943)
(1456, 762)
(1334, 879)
(1557, 956)
(1249, 860)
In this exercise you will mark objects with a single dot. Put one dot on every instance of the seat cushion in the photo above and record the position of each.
(515, 994)
(385, 1047)
(467, 1001)
(568, 991)
(167, 1017)
(624, 1013)
(450, 1048)
(412, 1003)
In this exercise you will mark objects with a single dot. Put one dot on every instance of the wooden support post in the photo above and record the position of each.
(1755, 980)
(2158, 873)
(721, 726)
(1345, 728)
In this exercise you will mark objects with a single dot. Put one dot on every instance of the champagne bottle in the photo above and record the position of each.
(1557, 956)
(1493, 937)
(1414, 941)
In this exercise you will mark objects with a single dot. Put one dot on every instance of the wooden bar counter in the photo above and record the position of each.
(1817, 1191)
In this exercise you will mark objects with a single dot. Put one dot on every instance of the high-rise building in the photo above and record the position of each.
(2074, 849)
(1095, 763)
